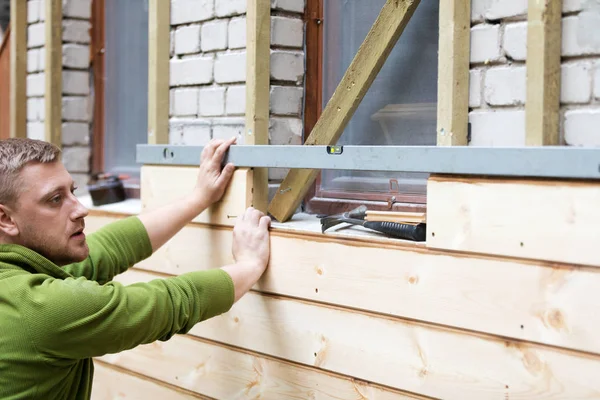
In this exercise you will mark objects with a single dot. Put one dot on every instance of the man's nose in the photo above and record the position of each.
(80, 211)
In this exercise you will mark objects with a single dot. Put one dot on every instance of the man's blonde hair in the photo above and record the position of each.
(14, 155)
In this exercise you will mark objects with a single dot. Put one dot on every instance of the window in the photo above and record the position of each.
(120, 70)
(400, 107)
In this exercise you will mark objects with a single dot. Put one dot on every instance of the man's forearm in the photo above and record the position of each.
(244, 276)
(164, 222)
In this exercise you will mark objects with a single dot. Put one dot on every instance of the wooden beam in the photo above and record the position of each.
(556, 221)
(53, 72)
(18, 68)
(550, 304)
(225, 373)
(355, 83)
(453, 72)
(159, 34)
(543, 72)
(404, 355)
(258, 48)
(162, 185)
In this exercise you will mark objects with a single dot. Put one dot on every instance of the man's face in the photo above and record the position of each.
(49, 217)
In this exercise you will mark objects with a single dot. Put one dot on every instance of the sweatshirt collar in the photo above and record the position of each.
(27, 259)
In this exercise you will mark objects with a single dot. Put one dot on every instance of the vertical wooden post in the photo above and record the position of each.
(18, 68)
(453, 72)
(159, 35)
(258, 48)
(53, 72)
(543, 72)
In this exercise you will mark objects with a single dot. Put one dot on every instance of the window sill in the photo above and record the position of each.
(301, 223)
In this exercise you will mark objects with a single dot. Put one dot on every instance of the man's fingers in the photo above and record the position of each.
(226, 175)
(220, 151)
(265, 222)
(209, 149)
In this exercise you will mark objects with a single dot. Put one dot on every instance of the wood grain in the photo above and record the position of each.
(161, 185)
(18, 69)
(533, 301)
(554, 220)
(53, 73)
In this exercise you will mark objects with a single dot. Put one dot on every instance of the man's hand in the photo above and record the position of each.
(251, 250)
(212, 180)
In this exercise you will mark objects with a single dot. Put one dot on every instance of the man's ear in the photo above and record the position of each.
(8, 225)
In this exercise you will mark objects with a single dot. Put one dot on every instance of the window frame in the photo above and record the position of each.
(98, 71)
(318, 200)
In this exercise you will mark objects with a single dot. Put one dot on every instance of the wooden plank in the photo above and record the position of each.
(355, 83)
(453, 72)
(5, 84)
(223, 373)
(422, 359)
(258, 50)
(545, 220)
(543, 72)
(159, 35)
(162, 185)
(53, 72)
(531, 301)
(18, 68)
(112, 383)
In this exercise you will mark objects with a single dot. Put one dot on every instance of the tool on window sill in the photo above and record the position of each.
(410, 230)
(105, 188)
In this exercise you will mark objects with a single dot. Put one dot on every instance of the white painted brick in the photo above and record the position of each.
(287, 31)
(505, 86)
(185, 102)
(597, 81)
(212, 101)
(230, 67)
(571, 5)
(33, 60)
(576, 82)
(75, 133)
(186, 11)
(76, 82)
(191, 71)
(42, 10)
(76, 31)
(33, 11)
(485, 43)
(172, 43)
(497, 127)
(36, 130)
(237, 33)
(286, 100)
(187, 39)
(226, 128)
(288, 5)
(76, 159)
(287, 66)
(226, 8)
(214, 35)
(42, 58)
(75, 108)
(580, 36)
(35, 109)
(515, 41)
(76, 56)
(77, 9)
(235, 100)
(36, 85)
(36, 35)
(497, 9)
(285, 131)
(581, 127)
(191, 132)
(475, 88)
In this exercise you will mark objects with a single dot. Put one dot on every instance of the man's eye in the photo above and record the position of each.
(55, 199)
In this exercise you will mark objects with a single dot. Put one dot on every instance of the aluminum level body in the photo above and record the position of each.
(547, 161)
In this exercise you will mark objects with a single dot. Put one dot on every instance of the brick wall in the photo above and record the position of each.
(208, 71)
(76, 85)
(498, 73)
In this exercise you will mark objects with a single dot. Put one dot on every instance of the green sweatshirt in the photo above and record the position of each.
(54, 320)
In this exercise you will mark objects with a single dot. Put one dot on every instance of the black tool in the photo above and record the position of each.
(356, 217)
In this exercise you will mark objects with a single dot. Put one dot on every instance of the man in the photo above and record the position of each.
(58, 304)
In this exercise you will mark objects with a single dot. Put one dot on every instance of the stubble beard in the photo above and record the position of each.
(59, 253)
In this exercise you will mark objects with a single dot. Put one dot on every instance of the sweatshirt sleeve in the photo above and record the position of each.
(113, 249)
(76, 318)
